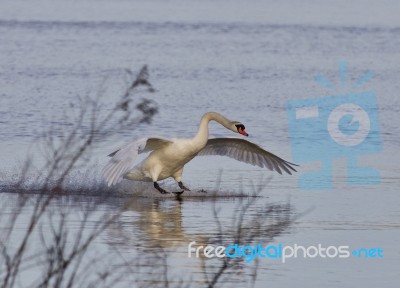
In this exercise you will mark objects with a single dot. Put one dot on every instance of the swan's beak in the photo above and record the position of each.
(243, 132)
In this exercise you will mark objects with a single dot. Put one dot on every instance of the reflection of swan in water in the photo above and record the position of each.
(158, 224)
(154, 229)
(169, 156)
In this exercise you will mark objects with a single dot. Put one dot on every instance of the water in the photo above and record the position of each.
(243, 61)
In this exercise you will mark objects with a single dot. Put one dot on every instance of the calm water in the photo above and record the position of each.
(246, 67)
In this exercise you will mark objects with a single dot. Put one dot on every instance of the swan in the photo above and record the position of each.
(169, 156)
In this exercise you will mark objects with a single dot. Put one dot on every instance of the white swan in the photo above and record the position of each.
(169, 156)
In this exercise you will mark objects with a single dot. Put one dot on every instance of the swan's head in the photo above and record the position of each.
(239, 128)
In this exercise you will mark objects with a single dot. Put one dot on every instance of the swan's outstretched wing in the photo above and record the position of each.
(248, 152)
(123, 159)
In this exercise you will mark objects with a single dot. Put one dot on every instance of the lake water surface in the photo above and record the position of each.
(246, 66)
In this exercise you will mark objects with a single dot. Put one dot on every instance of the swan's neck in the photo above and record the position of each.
(201, 137)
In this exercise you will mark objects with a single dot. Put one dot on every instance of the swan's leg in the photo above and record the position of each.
(155, 172)
(183, 187)
(178, 178)
(162, 191)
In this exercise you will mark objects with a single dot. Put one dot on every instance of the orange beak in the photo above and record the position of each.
(243, 132)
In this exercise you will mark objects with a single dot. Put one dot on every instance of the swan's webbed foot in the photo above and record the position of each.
(183, 186)
(162, 191)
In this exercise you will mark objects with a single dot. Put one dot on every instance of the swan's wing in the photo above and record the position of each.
(248, 152)
(149, 144)
(123, 159)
